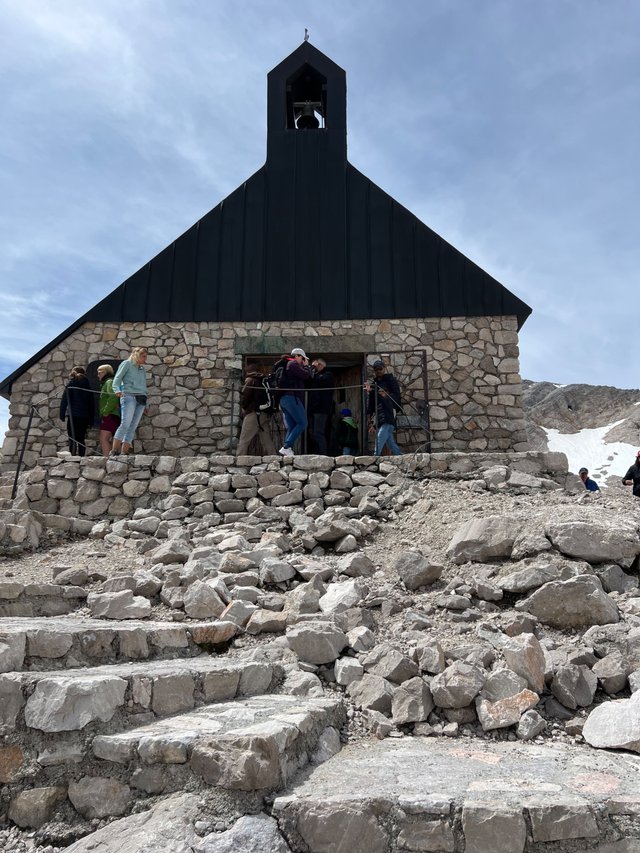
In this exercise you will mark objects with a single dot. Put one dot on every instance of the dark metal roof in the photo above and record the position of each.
(307, 237)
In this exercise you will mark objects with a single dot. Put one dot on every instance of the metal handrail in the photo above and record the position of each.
(33, 411)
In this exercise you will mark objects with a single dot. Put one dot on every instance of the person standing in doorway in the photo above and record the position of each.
(130, 385)
(320, 404)
(382, 406)
(296, 376)
(77, 408)
(254, 421)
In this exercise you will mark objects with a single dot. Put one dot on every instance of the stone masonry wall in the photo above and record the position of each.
(71, 495)
(474, 387)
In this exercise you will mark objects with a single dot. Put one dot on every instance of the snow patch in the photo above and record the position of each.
(587, 449)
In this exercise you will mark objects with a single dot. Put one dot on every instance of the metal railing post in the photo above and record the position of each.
(70, 421)
(14, 491)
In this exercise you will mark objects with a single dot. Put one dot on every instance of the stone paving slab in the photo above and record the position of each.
(248, 744)
(415, 794)
(42, 643)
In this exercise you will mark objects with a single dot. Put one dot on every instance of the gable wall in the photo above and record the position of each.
(194, 373)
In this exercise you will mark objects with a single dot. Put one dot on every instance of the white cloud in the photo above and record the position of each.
(511, 129)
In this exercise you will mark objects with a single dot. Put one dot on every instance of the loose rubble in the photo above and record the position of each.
(223, 636)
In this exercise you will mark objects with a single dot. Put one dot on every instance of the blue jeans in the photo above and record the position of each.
(130, 413)
(385, 436)
(295, 418)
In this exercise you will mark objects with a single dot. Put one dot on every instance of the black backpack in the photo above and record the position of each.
(270, 393)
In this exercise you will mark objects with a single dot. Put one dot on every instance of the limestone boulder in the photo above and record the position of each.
(30, 809)
(96, 797)
(576, 603)
(264, 621)
(167, 827)
(416, 570)
(373, 693)
(458, 685)
(615, 579)
(531, 725)
(429, 656)
(574, 686)
(613, 541)
(316, 641)
(343, 595)
(611, 672)
(274, 570)
(505, 712)
(615, 725)
(533, 575)
(201, 601)
(411, 702)
(389, 663)
(347, 670)
(482, 539)
(118, 605)
(523, 655)
(356, 566)
(250, 834)
(172, 551)
(361, 638)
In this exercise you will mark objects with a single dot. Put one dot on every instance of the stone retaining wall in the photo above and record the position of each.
(72, 495)
(472, 381)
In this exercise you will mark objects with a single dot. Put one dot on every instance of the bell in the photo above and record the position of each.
(307, 119)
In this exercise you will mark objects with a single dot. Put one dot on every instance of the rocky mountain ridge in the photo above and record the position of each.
(572, 408)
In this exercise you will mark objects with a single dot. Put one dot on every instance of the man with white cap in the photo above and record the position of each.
(296, 375)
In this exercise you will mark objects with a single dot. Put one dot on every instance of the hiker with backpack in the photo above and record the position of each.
(256, 414)
(296, 376)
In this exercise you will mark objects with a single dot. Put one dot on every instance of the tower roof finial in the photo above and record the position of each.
(306, 34)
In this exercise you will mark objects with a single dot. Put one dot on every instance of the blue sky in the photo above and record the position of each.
(511, 127)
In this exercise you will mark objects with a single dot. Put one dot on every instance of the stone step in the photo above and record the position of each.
(40, 709)
(251, 744)
(244, 749)
(440, 794)
(53, 643)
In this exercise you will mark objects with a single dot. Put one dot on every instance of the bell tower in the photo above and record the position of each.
(307, 92)
(306, 185)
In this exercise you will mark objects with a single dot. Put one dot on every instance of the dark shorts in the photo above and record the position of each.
(110, 423)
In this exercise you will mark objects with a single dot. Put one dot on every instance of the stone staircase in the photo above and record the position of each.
(97, 715)
(34, 644)
(418, 794)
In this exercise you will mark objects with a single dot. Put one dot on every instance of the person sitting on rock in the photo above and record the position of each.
(632, 477)
(589, 484)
